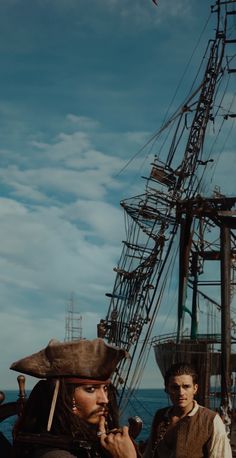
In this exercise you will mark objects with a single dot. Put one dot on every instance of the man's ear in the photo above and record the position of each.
(195, 388)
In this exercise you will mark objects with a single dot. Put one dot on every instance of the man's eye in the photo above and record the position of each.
(89, 389)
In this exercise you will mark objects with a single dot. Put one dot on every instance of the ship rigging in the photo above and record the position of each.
(180, 211)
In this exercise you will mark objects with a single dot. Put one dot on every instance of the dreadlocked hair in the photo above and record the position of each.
(36, 412)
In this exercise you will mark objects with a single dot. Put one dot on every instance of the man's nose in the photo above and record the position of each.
(102, 397)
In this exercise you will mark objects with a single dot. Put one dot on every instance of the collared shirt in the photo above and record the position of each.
(218, 445)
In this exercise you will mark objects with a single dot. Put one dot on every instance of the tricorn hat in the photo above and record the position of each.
(93, 359)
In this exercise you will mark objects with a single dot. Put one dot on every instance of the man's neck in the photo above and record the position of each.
(181, 412)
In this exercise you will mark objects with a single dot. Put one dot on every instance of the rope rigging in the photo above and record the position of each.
(152, 219)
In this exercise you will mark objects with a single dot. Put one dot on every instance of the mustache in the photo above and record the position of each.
(103, 410)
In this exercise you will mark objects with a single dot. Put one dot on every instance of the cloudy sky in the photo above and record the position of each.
(84, 84)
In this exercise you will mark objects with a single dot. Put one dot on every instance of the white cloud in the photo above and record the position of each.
(60, 234)
(72, 166)
(60, 176)
(83, 122)
(11, 207)
(44, 251)
(31, 336)
(105, 220)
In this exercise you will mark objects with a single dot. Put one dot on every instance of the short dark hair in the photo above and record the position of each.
(181, 369)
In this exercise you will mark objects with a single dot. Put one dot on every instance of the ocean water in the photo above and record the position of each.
(144, 403)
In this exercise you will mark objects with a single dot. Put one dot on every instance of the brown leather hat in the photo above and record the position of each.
(92, 359)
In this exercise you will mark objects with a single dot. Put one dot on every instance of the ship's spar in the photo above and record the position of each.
(174, 202)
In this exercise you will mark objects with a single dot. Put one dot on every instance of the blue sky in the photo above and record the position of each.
(83, 86)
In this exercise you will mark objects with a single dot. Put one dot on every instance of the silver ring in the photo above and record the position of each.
(100, 433)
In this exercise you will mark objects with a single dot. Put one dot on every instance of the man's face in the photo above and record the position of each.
(181, 390)
(91, 402)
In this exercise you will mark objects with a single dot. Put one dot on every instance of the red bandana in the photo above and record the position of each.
(86, 381)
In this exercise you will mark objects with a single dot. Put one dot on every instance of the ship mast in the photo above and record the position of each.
(214, 215)
(225, 260)
(73, 321)
(154, 219)
(214, 208)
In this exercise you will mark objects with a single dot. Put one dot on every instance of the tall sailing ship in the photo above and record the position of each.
(181, 235)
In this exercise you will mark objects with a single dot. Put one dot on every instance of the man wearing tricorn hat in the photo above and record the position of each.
(72, 412)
